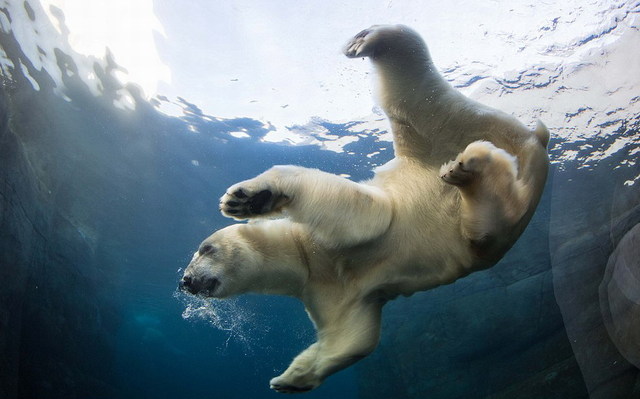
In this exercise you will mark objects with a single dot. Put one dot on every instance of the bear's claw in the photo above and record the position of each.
(357, 47)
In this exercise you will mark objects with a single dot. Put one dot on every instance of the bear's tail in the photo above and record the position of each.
(542, 133)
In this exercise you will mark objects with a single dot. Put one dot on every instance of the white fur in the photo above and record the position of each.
(345, 248)
(493, 198)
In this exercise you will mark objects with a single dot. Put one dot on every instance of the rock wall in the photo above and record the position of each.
(582, 240)
(66, 168)
(55, 315)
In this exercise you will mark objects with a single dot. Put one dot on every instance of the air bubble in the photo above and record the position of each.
(228, 315)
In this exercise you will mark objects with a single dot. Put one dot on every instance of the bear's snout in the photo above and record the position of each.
(185, 283)
(199, 286)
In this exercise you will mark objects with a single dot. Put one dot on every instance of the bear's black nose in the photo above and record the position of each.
(186, 282)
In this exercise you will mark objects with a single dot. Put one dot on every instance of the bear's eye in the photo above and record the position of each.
(205, 249)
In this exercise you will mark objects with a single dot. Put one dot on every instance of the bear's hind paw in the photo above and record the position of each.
(360, 45)
(454, 173)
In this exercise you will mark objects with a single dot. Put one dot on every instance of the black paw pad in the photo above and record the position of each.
(239, 194)
(260, 203)
(240, 204)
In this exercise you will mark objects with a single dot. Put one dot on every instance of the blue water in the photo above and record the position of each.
(101, 209)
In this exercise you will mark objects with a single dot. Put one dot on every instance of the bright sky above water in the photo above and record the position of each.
(281, 62)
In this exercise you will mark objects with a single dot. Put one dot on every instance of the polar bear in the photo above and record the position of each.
(345, 248)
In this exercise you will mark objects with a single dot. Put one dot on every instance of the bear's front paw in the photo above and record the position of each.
(283, 384)
(245, 200)
(239, 204)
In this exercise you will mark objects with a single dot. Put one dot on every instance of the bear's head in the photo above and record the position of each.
(223, 266)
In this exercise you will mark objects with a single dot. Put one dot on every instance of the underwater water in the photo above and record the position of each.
(105, 194)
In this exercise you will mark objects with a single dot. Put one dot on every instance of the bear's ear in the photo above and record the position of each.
(206, 249)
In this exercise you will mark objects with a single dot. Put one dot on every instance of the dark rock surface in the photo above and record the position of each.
(55, 313)
(580, 255)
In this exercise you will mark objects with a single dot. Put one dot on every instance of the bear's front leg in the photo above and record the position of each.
(348, 334)
(260, 196)
(337, 211)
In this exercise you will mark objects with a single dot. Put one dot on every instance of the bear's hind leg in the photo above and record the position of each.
(479, 159)
(493, 200)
